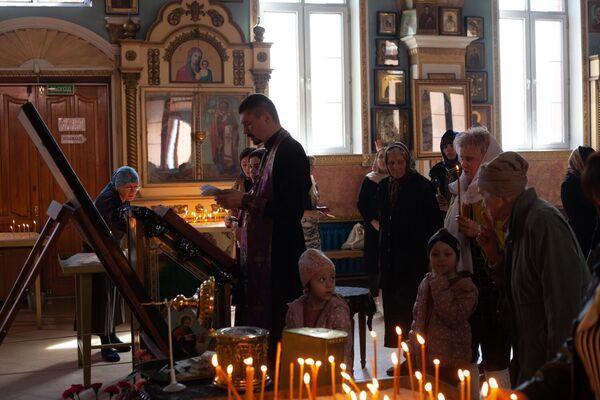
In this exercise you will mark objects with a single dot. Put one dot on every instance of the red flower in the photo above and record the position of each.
(140, 384)
(96, 386)
(77, 388)
(112, 390)
(124, 385)
(68, 394)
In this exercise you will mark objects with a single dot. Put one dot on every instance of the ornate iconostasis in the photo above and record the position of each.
(181, 89)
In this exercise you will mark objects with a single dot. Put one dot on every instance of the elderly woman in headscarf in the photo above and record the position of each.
(107, 303)
(320, 306)
(541, 268)
(475, 147)
(369, 210)
(408, 217)
(445, 172)
(580, 211)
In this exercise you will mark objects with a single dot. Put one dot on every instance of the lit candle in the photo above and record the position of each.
(410, 374)
(399, 333)
(436, 363)
(263, 369)
(513, 396)
(12, 229)
(34, 226)
(346, 389)
(315, 378)
(249, 378)
(362, 395)
(28, 230)
(374, 336)
(376, 386)
(429, 390)
(395, 364)
(419, 377)
(301, 362)
(461, 378)
(353, 396)
(468, 379)
(441, 396)
(307, 384)
(458, 188)
(422, 343)
(493, 389)
(332, 366)
(347, 377)
(229, 372)
(277, 362)
(215, 363)
(386, 397)
(484, 390)
(291, 380)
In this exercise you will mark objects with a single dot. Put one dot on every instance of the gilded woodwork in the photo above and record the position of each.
(130, 80)
(239, 66)
(153, 67)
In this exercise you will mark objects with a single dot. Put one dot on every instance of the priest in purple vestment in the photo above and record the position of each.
(271, 239)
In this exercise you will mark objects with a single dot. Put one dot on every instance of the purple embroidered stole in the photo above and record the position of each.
(255, 245)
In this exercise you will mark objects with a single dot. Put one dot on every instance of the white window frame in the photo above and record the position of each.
(303, 11)
(46, 3)
(530, 17)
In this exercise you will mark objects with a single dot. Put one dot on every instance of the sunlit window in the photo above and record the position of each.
(533, 74)
(310, 82)
(44, 3)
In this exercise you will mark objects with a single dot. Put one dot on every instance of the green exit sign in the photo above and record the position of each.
(55, 90)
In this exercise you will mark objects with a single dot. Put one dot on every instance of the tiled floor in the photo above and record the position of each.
(41, 364)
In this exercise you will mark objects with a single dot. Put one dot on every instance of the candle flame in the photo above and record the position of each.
(376, 383)
(306, 378)
(441, 396)
(418, 375)
(345, 388)
(301, 361)
(318, 363)
(353, 396)
(461, 376)
(457, 168)
(331, 359)
(214, 361)
(371, 388)
(373, 334)
(428, 387)
(345, 375)
(309, 361)
(342, 366)
(263, 368)
(493, 383)
(484, 389)
(386, 397)
(362, 395)
(420, 339)
(229, 369)
(513, 396)
(398, 331)
(467, 373)
(248, 361)
(394, 358)
(436, 361)
(405, 347)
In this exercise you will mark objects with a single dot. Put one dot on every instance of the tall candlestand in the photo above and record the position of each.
(174, 386)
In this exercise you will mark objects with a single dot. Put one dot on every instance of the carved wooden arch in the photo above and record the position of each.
(53, 44)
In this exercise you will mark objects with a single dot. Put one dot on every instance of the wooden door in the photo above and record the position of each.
(90, 160)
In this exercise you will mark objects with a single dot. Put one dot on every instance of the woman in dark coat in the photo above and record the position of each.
(369, 210)
(580, 211)
(409, 215)
(444, 172)
(107, 303)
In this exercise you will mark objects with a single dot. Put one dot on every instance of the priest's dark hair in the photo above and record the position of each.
(259, 103)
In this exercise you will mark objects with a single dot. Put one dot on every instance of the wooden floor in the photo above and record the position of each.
(41, 364)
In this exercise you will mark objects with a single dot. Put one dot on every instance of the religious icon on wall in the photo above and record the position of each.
(387, 52)
(189, 337)
(390, 125)
(474, 27)
(594, 16)
(478, 82)
(122, 7)
(408, 23)
(387, 23)
(426, 18)
(450, 21)
(196, 61)
(475, 56)
(482, 115)
(390, 87)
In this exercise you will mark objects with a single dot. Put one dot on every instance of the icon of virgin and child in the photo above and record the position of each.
(196, 68)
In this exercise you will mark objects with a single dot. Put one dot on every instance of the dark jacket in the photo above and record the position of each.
(580, 211)
(405, 228)
(369, 210)
(109, 206)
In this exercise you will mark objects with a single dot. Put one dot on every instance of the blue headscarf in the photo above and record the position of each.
(124, 175)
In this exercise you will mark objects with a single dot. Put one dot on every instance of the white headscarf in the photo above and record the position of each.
(469, 195)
